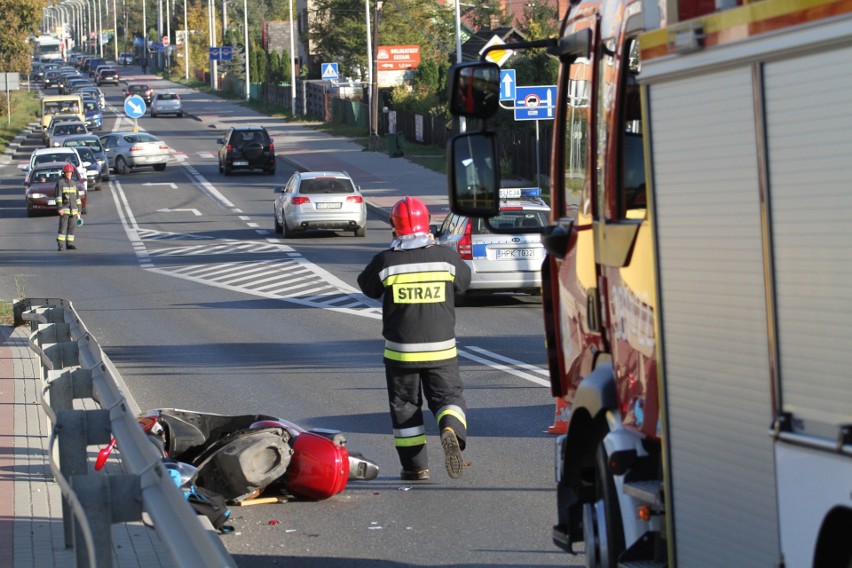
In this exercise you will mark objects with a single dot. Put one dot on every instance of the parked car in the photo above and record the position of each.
(126, 150)
(166, 103)
(246, 148)
(63, 129)
(141, 89)
(106, 75)
(125, 58)
(92, 142)
(319, 200)
(501, 262)
(40, 188)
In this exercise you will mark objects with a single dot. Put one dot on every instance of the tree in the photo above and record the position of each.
(489, 14)
(540, 22)
(20, 21)
(338, 31)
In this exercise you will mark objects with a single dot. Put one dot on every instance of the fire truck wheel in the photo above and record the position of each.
(602, 529)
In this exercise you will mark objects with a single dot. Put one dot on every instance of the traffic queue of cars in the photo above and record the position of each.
(308, 201)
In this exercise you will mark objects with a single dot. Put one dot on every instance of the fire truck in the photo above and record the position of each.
(697, 291)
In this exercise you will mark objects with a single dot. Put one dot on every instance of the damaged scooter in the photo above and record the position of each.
(239, 457)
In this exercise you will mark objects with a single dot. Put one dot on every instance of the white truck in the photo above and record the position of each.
(698, 302)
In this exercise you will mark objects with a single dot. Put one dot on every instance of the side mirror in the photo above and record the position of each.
(220, 141)
(557, 239)
(473, 89)
(278, 189)
(474, 175)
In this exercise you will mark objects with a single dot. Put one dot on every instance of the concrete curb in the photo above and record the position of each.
(16, 142)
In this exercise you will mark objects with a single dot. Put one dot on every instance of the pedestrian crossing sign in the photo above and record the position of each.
(329, 71)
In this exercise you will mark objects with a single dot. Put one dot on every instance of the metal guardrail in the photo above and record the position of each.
(74, 367)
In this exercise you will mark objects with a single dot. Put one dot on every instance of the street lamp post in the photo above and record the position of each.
(185, 42)
(246, 49)
(369, 65)
(115, 30)
(374, 98)
(293, 58)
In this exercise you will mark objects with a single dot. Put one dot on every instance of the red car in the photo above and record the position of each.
(40, 188)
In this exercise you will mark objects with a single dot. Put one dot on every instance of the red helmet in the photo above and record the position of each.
(68, 168)
(409, 216)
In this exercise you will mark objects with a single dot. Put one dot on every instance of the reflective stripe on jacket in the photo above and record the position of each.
(418, 313)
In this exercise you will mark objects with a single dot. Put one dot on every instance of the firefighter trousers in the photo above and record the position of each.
(444, 393)
(67, 227)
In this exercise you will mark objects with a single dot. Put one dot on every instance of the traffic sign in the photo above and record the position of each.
(498, 56)
(507, 84)
(134, 106)
(165, 41)
(397, 57)
(221, 53)
(535, 103)
(329, 71)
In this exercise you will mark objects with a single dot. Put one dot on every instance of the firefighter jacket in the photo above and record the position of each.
(418, 316)
(67, 197)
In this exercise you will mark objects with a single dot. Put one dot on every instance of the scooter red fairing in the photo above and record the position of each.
(239, 456)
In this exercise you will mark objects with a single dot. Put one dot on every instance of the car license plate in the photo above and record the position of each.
(51, 202)
(241, 163)
(328, 205)
(509, 254)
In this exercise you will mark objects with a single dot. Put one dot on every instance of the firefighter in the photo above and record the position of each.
(419, 280)
(68, 203)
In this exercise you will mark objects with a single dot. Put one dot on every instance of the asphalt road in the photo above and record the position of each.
(202, 306)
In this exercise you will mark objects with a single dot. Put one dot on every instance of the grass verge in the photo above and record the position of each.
(7, 317)
(24, 111)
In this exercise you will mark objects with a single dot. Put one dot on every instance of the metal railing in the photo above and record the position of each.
(73, 366)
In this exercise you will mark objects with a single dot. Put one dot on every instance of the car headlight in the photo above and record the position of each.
(38, 196)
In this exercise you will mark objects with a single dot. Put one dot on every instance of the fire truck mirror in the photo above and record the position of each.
(474, 178)
(473, 89)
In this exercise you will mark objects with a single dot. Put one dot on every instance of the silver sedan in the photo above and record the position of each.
(319, 200)
(128, 150)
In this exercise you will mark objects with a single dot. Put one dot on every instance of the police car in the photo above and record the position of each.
(501, 262)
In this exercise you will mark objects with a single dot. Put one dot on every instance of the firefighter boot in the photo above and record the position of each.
(418, 475)
(452, 453)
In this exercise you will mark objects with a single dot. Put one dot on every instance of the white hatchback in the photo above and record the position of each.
(166, 103)
(319, 200)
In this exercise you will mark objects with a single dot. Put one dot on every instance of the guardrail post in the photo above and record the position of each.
(76, 429)
(107, 499)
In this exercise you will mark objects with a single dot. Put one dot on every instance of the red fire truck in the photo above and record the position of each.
(697, 292)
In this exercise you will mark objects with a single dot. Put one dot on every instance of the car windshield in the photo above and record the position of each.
(91, 106)
(167, 97)
(66, 128)
(86, 154)
(47, 175)
(94, 144)
(140, 137)
(325, 185)
(58, 157)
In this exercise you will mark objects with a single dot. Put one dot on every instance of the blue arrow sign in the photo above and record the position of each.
(535, 103)
(134, 106)
(329, 71)
(507, 84)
